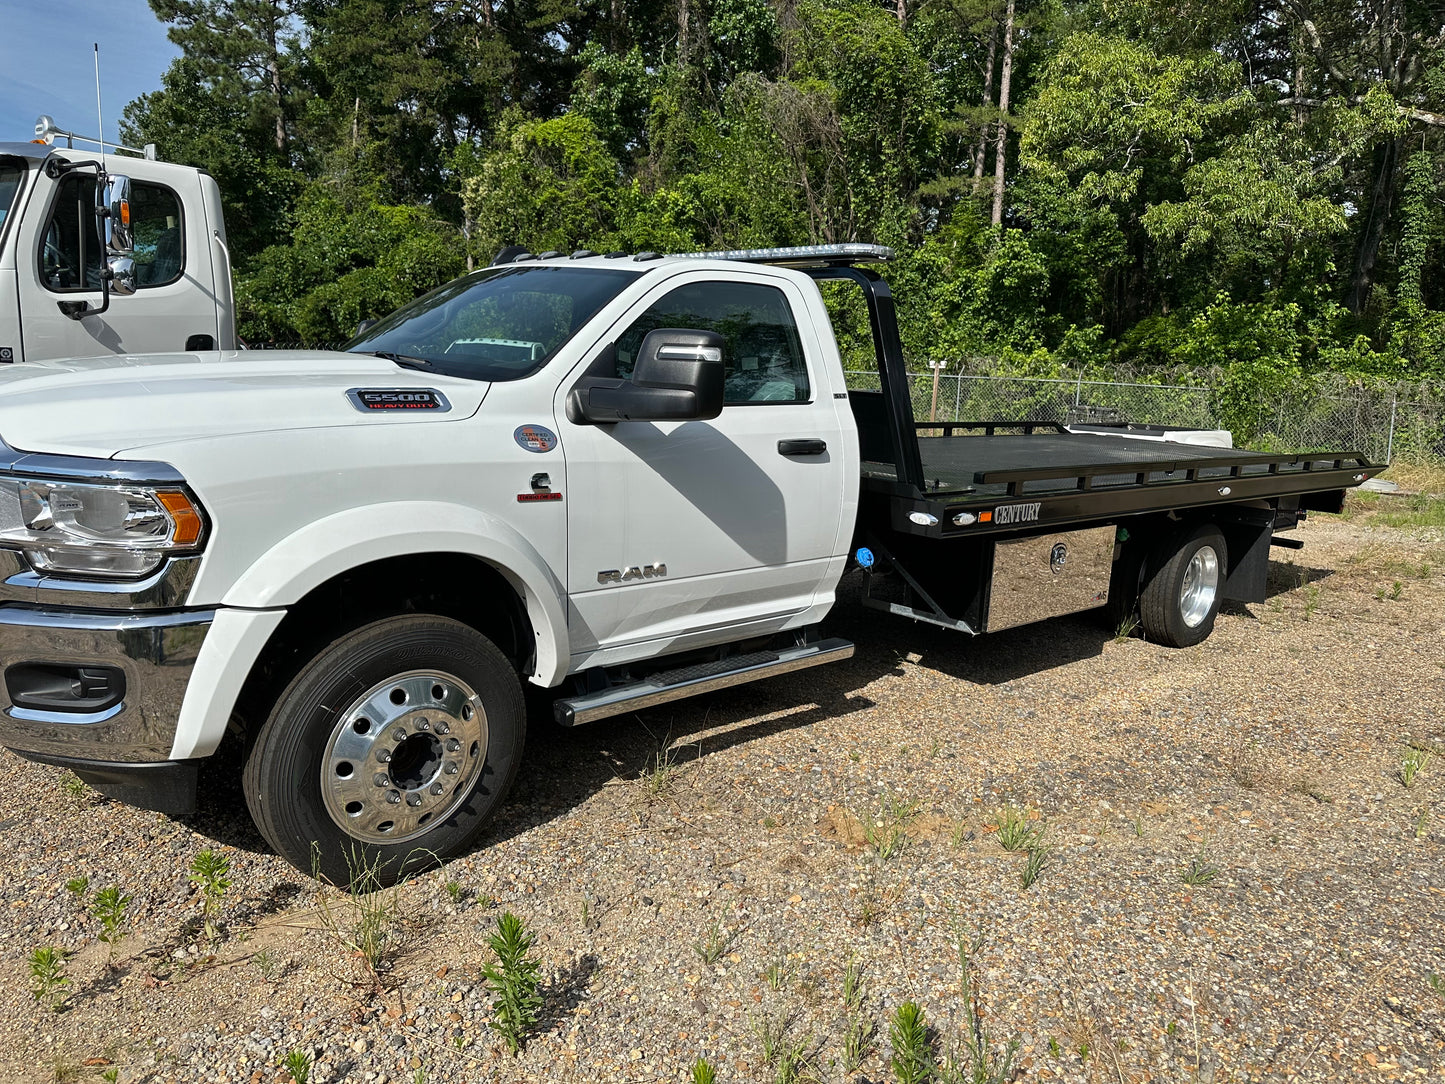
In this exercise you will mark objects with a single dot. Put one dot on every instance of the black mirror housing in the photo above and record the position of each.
(678, 377)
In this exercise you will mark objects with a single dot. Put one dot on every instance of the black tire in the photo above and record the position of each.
(334, 700)
(1169, 616)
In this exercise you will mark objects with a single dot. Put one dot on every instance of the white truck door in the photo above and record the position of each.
(59, 258)
(705, 531)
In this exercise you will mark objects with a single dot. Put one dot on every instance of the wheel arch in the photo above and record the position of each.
(341, 572)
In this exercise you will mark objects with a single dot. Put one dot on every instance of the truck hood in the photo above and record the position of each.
(103, 406)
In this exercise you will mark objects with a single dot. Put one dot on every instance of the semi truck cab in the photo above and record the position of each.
(169, 285)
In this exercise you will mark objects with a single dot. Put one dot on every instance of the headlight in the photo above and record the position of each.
(96, 530)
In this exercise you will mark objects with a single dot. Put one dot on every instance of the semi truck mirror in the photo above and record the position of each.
(119, 240)
(122, 275)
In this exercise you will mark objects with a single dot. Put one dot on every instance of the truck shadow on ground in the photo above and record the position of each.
(563, 768)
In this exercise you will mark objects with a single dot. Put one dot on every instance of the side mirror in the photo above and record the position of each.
(366, 325)
(122, 275)
(119, 241)
(678, 377)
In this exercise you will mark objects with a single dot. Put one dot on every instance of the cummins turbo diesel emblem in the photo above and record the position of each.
(1016, 513)
(625, 575)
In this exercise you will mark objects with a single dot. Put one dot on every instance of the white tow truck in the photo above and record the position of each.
(103, 254)
(626, 478)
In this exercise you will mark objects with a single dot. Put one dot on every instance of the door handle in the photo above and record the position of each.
(802, 446)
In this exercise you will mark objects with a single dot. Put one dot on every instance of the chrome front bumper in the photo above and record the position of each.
(156, 652)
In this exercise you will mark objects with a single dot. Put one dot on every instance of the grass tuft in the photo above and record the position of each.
(1018, 829)
(1199, 871)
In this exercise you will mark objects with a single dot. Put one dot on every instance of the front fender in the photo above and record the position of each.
(303, 561)
(253, 606)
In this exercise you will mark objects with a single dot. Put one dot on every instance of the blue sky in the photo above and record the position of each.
(47, 64)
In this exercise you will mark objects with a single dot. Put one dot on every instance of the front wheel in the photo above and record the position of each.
(1181, 598)
(388, 752)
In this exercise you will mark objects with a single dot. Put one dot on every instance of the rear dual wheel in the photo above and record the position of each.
(1181, 595)
(388, 752)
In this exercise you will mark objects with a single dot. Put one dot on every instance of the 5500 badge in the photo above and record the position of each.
(369, 399)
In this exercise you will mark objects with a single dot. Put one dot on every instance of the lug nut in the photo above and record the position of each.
(398, 733)
(413, 799)
(451, 769)
(442, 728)
(437, 788)
(381, 779)
(453, 745)
(393, 797)
(423, 725)
(383, 756)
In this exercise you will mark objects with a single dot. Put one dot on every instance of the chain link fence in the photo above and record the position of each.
(1383, 421)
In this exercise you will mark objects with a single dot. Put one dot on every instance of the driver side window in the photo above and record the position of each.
(762, 356)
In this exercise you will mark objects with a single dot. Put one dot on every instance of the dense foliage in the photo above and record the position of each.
(1258, 187)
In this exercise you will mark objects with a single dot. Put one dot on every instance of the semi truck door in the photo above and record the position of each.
(59, 259)
(722, 527)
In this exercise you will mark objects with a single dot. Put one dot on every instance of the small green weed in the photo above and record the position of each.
(771, 1028)
(75, 787)
(367, 924)
(1054, 1048)
(714, 943)
(48, 981)
(779, 973)
(109, 907)
(859, 1028)
(1038, 857)
(211, 873)
(1018, 829)
(111, 1075)
(1312, 600)
(1199, 871)
(1435, 982)
(513, 981)
(912, 1061)
(975, 1060)
(886, 831)
(659, 778)
(1421, 823)
(455, 892)
(266, 962)
(1125, 629)
(298, 1064)
(78, 887)
(1412, 763)
(702, 1072)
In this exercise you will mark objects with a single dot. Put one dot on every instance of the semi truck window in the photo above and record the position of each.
(70, 252)
(70, 257)
(10, 177)
(763, 356)
(155, 220)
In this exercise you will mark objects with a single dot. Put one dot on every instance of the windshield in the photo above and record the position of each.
(502, 323)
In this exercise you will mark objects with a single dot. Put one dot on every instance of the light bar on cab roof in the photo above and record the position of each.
(815, 255)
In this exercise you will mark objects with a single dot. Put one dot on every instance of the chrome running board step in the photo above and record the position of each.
(670, 685)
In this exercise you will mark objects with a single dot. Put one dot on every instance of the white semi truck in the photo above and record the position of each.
(103, 254)
(625, 478)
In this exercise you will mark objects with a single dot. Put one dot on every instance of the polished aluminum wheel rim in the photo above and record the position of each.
(403, 756)
(1201, 584)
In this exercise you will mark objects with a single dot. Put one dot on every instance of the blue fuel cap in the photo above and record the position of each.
(864, 557)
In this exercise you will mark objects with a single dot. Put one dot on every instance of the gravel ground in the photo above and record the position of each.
(844, 815)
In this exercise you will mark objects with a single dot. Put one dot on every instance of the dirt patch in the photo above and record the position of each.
(1237, 883)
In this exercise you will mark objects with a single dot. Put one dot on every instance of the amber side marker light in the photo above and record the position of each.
(184, 514)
